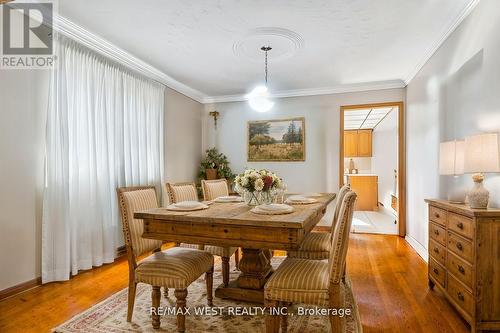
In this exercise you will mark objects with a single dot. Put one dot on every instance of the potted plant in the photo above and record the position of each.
(215, 165)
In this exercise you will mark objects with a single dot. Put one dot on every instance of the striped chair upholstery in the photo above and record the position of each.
(214, 188)
(313, 282)
(299, 280)
(174, 268)
(178, 192)
(316, 245)
(187, 192)
(135, 201)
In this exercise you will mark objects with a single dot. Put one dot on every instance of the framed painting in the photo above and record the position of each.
(281, 140)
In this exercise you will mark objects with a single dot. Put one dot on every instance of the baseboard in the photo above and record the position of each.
(419, 248)
(20, 288)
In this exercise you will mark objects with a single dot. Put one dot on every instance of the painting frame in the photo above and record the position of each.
(302, 121)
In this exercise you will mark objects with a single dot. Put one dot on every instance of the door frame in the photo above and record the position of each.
(401, 155)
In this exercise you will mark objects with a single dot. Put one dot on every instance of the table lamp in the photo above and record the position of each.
(451, 162)
(481, 155)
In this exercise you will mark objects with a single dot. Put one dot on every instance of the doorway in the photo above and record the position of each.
(372, 160)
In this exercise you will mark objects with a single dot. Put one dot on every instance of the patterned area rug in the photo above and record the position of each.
(110, 315)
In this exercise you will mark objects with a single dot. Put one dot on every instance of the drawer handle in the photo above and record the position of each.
(436, 232)
(436, 271)
(460, 225)
(437, 215)
(459, 246)
(436, 250)
(461, 269)
(460, 296)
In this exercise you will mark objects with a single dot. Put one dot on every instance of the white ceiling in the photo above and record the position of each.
(319, 46)
(364, 118)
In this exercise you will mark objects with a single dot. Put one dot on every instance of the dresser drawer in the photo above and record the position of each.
(460, 246)
(437, 233)
(437, 272)
(437, 252)
(461, 225)
(459, 268)
(437, 215)
(459, 294)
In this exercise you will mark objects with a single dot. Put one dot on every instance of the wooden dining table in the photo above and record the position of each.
(234, 225)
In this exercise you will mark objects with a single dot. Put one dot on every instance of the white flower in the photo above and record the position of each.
(237, 180)
(259, 184)
(244, 181)
(254, 175)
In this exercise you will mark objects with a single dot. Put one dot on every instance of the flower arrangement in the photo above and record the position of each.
(257, 186)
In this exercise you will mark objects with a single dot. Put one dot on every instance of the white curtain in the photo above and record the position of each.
(104, 130)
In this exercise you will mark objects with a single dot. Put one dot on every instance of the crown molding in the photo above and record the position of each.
(345, 88)
(101, 45)
(434, 47)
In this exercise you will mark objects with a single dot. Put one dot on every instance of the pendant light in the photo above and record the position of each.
(259, 97)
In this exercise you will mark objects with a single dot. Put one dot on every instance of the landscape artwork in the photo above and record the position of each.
(276, 140)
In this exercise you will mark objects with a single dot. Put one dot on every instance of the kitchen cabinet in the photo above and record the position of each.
(366, 187)
(358, 143)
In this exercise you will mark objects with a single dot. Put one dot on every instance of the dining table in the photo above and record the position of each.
(236, 225)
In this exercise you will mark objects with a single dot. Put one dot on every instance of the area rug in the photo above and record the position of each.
(229, 317)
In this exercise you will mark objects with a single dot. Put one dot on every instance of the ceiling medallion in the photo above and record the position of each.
(285, 43)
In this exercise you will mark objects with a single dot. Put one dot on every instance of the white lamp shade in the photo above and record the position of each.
(451, 158)
(481, 153)
(259, 99)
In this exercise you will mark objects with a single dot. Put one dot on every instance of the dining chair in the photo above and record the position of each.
(187, 192)
(317, 245)
(212, 189)
(313, 282)
(174, 268)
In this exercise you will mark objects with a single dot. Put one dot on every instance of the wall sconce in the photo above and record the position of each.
(214, 114)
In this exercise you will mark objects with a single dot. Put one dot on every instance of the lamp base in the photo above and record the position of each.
(457, 195)
(478, 195)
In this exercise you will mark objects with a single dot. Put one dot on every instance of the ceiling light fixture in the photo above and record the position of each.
(259, 97)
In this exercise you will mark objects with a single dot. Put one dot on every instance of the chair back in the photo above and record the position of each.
(340, 239)
(131, 200)
(178, 192)
(340, 198)
(214, 188)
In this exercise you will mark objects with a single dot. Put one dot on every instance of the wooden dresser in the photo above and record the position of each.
(464, 260)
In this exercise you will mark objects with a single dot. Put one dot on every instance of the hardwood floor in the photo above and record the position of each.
(390, 286)
(389, 282)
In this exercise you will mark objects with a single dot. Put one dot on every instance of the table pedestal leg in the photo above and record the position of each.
(255, 267)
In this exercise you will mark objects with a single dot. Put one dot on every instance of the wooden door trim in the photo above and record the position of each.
(401, 155)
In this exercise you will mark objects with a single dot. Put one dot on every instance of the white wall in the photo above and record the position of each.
(385, 157)
(183, 137)
(457, 93)
(23, 98)
(319, 172)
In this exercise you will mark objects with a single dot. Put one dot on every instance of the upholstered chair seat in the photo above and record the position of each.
(316, 245)
(313, 282)
(187, 192)
(174, 268)
(300, 280)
